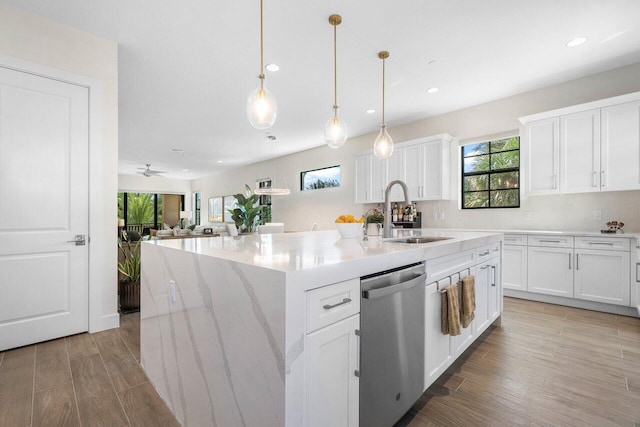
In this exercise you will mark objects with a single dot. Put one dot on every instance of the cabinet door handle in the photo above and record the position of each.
(593, 179)
(603, 175)
(569, 261)
(601, 243)
(493, 268)
(577, 261)
(484, 253)
(357, 371)
(484, 267)
(329, 307)
(549, 241)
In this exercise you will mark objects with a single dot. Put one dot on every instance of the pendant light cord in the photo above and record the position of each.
(383, 62)
(261, 76)
(335, 72)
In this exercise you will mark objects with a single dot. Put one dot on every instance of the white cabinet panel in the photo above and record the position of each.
(580, 151)
(494, 295)
(414, 170)
(378, 179)
(543, 153)
(550, 271)
(620, 164)
(515, 267)
(603, 276)
(438, 347)
(482, 292)
(395, 170)
(363, 178)
(436, 171)
(332, 387)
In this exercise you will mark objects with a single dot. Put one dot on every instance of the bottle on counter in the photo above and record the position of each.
(394, 213)
(410, 215)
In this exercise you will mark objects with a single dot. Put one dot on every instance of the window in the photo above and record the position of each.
(491, 174)
(265, 201)
(320, 178)
(197, 206)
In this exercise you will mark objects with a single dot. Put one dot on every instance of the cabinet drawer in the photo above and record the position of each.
(550, 241)
(607, 243)
(332, 303)
(447, 265)
(515, 239)
(487, 252)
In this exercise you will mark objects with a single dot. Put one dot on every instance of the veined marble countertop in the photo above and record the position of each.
(288, 252)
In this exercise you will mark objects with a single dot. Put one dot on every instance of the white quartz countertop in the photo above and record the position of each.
(570, 233)
(289, 252)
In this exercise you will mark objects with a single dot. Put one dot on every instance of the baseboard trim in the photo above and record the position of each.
(570, 302)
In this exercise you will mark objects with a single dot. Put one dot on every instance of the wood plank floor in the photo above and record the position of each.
(82, 380)
(546, 366)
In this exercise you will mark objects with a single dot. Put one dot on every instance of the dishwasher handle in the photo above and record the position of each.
(388, 290)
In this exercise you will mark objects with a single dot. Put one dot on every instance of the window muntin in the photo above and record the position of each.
(491, 174)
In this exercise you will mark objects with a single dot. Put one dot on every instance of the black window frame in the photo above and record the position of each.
(490, 172)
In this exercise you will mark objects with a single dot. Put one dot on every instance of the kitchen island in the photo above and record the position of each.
(225, 321)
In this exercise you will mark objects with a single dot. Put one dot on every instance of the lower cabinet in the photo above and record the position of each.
(332, 361)
(602, 276)
(515, 267)
(439, 353)
(494, 300)
(550, 271)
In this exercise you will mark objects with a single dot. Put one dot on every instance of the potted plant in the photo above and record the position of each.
(129, 288)
(374, 220)
(248, 211)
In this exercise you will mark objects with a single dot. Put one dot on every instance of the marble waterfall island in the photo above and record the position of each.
(224, 320)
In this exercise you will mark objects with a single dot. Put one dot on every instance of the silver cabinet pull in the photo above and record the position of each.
(602, 178)
(593, 179)
(484, 253)
(357, 371)
(601, 243)
(569, 261)
(78, 239)
(484, 267)
(344, 301)
(549, 241)
(577, 261)
(493, 268)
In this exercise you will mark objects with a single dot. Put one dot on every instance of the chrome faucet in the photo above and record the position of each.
(386, 232)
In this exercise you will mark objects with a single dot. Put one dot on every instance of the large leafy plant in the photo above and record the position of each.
(248, 211)
(130, 266)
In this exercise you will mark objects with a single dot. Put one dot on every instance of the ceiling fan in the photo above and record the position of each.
(148, 172)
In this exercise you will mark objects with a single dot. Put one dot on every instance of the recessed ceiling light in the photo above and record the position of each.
(432, 90)
(185, 170)
(370, 111)
(272, 67)
(576, 42)
(220, 161)
(176, 150)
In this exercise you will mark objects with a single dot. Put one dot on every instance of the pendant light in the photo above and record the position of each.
(383, 147)
(274, 189)
(262, 108)
(335, 131)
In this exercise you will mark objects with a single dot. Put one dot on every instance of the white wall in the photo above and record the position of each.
(569, 212)
(28, 37)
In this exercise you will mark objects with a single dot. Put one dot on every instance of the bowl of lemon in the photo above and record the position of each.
(349, 226)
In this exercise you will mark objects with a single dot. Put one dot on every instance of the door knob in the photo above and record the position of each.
(79, 240)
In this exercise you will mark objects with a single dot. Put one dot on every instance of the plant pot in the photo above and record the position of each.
(374, 229)
(129, 296)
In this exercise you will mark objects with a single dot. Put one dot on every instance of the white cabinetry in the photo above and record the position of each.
(332, 388)
(423, 164)
(515, 267)
(550, 271)
(599, 147)
(580, 151)
(332, 355)
(542, 146)
(620, 152)
(602, 276)
(439, 353)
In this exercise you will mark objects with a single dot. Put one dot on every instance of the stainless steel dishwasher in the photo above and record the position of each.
(391, 344)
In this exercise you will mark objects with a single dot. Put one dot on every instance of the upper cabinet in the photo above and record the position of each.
(423, 164)
(584, 148)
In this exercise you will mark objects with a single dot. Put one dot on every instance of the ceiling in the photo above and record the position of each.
(187, 67)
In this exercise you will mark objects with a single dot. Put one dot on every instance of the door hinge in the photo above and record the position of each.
(356, 373)
(357, 332)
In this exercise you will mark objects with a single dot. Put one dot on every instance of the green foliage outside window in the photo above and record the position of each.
(491, 174)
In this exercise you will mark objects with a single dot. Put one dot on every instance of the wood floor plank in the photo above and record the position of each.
(130, 332)
(80, 345)
(132, 375)
(52, 365)
(145, 408)
(55, 407)
(16, 386)
(114, 351)
(98, 403)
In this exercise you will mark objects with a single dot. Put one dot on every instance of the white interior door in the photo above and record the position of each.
(44, 127)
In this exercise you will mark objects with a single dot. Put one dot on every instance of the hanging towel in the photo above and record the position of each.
(450, 318)
(468, 306)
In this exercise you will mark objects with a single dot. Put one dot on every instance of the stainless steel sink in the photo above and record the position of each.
(419, 239)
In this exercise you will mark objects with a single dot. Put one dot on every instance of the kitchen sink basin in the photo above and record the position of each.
(419, 239)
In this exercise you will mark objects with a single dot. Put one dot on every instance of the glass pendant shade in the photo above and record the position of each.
(262, 108)
(335, 132)
(383, 147)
